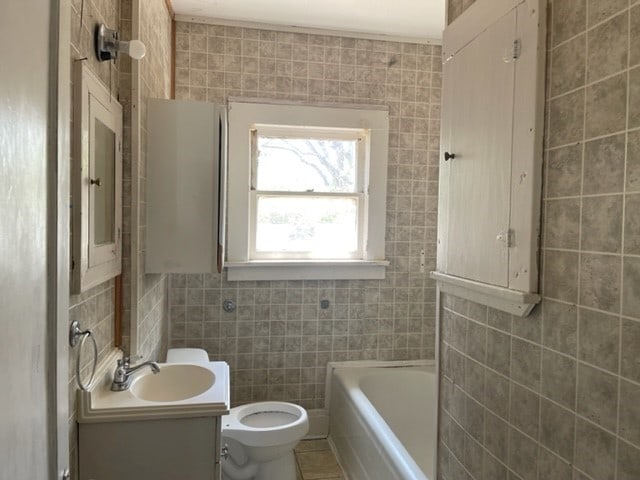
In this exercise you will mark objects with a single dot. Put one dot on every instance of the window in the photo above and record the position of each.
(307, 189)
(307, 192)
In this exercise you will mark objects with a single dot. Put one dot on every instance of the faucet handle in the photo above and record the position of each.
(124, 362)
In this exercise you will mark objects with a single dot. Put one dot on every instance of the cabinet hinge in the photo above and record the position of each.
(516, 49)
(508, 237)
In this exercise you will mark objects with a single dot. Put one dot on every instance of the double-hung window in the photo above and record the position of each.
(307, 188)
(307, 193)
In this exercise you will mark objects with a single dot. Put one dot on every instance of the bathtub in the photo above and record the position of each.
(383, 421)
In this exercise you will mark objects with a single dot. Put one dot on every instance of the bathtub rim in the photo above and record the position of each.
(331, 366)
(375, 364)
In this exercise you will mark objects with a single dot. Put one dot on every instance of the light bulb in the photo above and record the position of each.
(135, 49)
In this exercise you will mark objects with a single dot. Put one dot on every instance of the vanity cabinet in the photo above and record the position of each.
(186, 174)
(159, 449)
(165, 426)
(491, 159)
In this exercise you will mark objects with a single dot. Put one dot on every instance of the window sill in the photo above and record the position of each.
(307, 270)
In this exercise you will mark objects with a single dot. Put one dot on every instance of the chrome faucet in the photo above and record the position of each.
(122, 375)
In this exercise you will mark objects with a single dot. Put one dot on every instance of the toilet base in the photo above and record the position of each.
(281, 468)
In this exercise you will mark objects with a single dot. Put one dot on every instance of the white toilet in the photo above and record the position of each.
(260, 437)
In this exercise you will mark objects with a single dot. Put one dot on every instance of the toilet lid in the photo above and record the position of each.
(268, 419)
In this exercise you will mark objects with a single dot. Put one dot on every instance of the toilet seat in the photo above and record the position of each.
(259, 437)
(268, 419)
(265, 424)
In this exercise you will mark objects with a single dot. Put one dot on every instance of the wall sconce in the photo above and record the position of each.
(107, 45)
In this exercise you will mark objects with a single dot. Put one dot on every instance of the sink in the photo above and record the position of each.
(173, 383)
(180, 390)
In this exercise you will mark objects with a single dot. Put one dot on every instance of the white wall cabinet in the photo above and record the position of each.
(186, 173)
(491, 164)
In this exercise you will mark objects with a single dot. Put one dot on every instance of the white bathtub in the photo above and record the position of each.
(383, 422)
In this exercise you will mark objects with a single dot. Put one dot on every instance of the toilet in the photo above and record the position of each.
(260, 437)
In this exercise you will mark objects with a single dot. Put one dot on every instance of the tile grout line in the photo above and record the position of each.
(622, 250)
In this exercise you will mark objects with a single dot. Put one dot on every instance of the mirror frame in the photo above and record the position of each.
(93, 264)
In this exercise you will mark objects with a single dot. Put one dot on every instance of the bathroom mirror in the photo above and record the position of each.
(104, 204)
(97, 182)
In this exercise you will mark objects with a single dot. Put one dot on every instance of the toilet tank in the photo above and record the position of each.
(187, 355)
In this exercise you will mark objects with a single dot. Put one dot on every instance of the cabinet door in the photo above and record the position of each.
(104, 184)
(185, 186)
(97, 183)
(477, 127)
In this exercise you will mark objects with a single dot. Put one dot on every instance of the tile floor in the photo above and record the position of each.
(317, 462)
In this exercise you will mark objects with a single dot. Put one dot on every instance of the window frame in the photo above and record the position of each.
(93, 264)
(246, 115)
(361, 137)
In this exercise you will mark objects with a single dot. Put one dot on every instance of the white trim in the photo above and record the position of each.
(527, 147)
(308, 30)
(511, 301)
(271, 101)
(316, 133)
(306, 270)
(243, 117)
(59, 184)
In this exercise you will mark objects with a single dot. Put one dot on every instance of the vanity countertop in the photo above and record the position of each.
(100, 404)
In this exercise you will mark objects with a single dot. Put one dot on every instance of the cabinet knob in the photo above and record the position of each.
(449, 156)
(224, 452)
(96, 181)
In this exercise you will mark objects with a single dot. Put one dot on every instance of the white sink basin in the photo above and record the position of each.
(180, 390)
(173, 383)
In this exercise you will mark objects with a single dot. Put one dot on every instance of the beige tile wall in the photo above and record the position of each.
(557, 395)
(155, 82)
(145, 296)
(126, 26)
(456, 7)
(94, 309)
(279, 341)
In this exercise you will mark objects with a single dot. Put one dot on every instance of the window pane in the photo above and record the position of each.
(323, 227)
(306, 164)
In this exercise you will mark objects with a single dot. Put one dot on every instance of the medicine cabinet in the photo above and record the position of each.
(491, 162)
(96, 182)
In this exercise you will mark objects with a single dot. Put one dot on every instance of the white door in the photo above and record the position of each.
(478, 82)
(28, 301)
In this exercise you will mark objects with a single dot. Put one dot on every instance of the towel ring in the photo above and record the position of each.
(76, 334)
